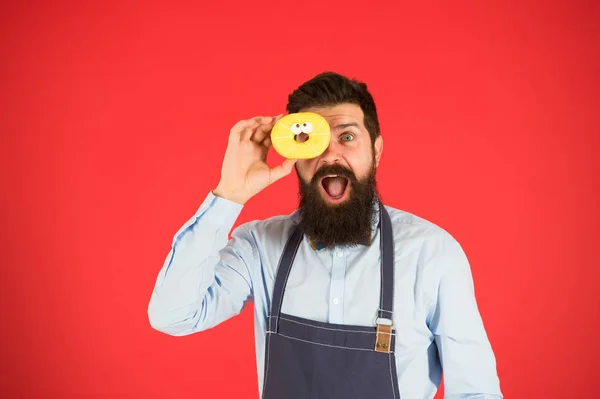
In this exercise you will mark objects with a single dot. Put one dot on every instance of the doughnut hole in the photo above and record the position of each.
(301, 138)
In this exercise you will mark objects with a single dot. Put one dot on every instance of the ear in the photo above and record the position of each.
(378, 149)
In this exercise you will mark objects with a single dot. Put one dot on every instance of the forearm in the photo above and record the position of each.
(184, 297)
(466, 355)
(469, 368)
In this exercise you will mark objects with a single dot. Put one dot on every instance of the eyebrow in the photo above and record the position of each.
(346, 125)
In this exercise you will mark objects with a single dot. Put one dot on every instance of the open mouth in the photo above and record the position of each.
(335, 187)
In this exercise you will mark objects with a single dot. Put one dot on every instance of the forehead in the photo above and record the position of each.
(339, 114)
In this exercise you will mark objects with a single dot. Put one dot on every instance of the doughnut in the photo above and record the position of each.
(288, 139)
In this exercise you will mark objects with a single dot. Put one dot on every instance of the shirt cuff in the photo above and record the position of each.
(219, 211)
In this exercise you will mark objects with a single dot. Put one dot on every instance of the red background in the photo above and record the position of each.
(115, 120)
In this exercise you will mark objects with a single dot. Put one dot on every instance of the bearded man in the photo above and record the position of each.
(352, 298)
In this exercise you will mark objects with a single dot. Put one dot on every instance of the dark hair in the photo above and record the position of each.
(328, 89)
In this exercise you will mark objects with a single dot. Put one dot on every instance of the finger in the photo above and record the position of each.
(247, 132)
(260, 120)
(277, 118)
(263, 119)
(281, 170)
(238, 128)
(265, 134)
(267, 142)
(263, 131)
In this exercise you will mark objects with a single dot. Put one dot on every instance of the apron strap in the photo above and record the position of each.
(386, 300)
(282, 274)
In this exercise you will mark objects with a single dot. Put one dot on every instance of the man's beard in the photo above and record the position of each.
(344, 224)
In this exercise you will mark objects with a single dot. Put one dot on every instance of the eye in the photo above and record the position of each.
(307, 127)
(296, 128)
(347, 137)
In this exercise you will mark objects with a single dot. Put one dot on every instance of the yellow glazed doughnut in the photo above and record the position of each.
(290, 127)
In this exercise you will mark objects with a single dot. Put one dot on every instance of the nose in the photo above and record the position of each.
(332, 154)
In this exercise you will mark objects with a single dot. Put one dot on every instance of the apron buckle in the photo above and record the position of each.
(384, 335)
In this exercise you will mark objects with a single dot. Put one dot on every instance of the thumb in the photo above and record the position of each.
(281, 170)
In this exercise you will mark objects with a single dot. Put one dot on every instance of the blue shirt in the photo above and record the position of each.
(207, 278)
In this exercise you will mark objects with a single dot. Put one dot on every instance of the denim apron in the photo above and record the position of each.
(306, 359)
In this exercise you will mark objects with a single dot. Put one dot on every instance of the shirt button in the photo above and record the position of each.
(336, 301)
(340, 254)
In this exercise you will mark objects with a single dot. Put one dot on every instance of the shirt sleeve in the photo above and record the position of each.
(468, 362)
(205, 278)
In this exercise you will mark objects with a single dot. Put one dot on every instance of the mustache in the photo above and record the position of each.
(333, 170)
